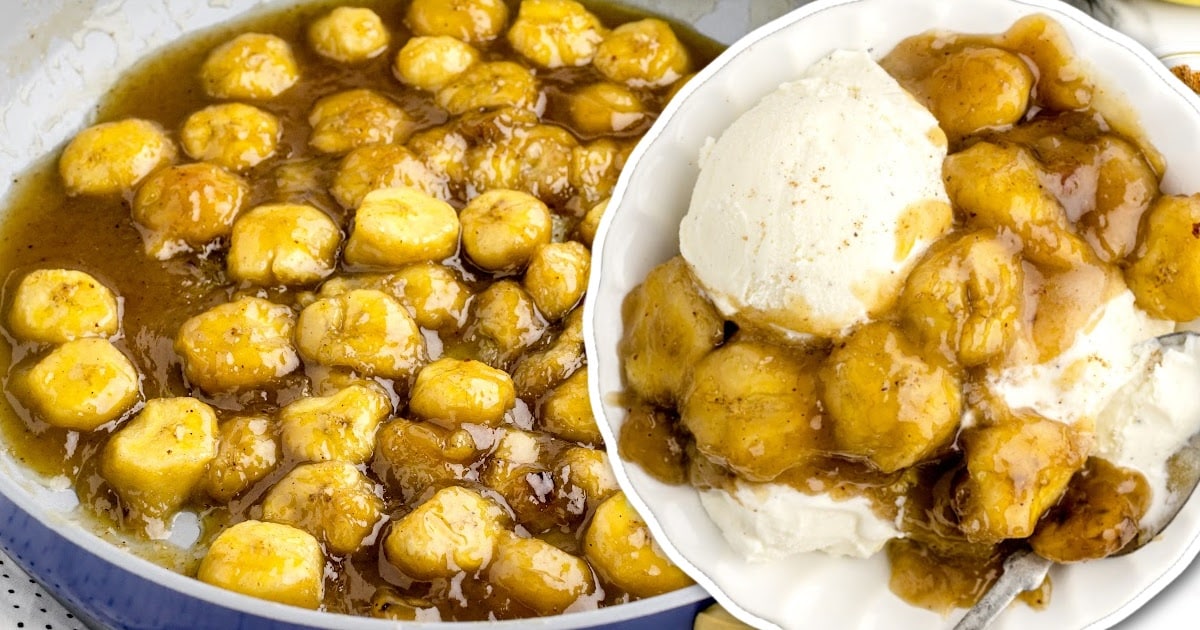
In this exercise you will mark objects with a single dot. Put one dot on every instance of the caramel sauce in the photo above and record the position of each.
(1077, 184)
(649, 438)
(1097, 517)
(940, 582)
(46, 228)
(1061, 82)
(922, 221)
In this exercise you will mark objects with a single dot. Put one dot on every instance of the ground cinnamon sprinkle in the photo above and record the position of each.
(1190, 78)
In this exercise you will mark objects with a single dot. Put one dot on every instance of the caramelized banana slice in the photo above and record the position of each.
(1097, 517)
(537, 372)
(435, 295)
(410, 456)
(1126, 185)
(539, 574)
(669, 326)
(535, 159)
(394, 227)
(602, 108)
(518, 469)
(429, 63)
(365, 330)
(331, 500)
(619, 546)
(490, 85)
(340, 427)
(375, 166)
(455, 530)
(283, 244)
(979, 88)
(185, 208)
(81, 384)
(60, 305)
(557, 277)
(754, 408)
(231, 135)
(1017, 469)
(250, 66)
(267, 560)
(502, 229)
(347, 120)
(1165, 275)
(157, 459)
(644, 53)
(1063, 83)
(890, 403)
(474, 21)
(450, 392)
(966, 296)
(566, 411)
(996, 186)
(595, 167)
(248, 450)
(349, 35)
(586, 469)
(585, 232)
(556, 33)
(113, 157)
(504, 321)
(651, 438)
(244, 344)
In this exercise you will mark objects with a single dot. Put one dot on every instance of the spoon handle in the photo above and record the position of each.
(1023, 571)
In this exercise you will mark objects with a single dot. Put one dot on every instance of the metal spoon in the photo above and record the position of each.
(1025, 570)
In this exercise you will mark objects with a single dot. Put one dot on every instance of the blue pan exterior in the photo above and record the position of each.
(105, 595)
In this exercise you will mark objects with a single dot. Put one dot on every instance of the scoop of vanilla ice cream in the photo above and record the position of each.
(1081, 381)
(811, 208)
(1152, 416)
(770, 521)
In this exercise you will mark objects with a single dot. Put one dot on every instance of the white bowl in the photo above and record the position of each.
(640, 231)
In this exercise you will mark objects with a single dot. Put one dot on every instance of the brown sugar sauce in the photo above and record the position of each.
(46, 228)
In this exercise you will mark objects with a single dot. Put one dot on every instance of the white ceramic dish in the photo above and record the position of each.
(59, 57)
(641, 230)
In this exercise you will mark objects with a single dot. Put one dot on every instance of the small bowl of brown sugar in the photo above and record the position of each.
(1187, 68)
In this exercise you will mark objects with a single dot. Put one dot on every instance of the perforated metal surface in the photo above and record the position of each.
(24, 604)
